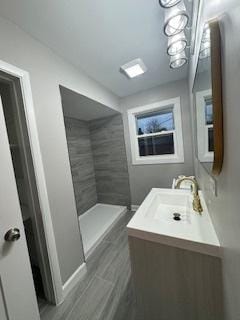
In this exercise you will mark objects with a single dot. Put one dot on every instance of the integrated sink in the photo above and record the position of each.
(167, 203)
(155, 220)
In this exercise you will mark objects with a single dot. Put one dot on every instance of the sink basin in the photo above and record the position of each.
(165, 204)
(154, 221)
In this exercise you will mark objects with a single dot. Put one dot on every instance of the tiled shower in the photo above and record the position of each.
(99, 172)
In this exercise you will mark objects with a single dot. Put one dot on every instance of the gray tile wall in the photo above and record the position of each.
(81, 160)
(110, 161)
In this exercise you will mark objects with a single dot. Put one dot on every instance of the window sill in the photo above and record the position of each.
(206, 158)
(157, 160)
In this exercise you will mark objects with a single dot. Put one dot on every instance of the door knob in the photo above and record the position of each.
(12, 235)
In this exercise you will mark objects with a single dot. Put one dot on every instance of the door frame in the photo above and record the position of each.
(29, 111)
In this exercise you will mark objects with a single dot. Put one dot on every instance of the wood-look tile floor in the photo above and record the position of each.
(106, 291)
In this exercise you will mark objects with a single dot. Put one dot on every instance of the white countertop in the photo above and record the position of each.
(153, 221)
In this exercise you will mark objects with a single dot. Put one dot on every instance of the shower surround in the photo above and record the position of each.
(110, 160)
(81, 161)
(100, 175)
(98, 162)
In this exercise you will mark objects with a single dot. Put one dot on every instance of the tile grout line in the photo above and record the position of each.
(104, 280)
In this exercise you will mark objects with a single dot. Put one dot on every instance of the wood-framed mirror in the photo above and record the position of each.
(207, 94)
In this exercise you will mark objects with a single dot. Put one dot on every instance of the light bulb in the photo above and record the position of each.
(176, 20)
(168, 3)
(176, 44)
(206, 33)
(178, 60)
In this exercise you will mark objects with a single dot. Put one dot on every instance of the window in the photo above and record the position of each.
(204, 112)
(209, 122)
(156, 133)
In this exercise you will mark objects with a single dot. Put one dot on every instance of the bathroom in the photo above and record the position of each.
(120, 173)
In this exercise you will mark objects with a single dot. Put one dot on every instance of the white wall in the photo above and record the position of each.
(224, 208)
(144, 177)
(47, 71)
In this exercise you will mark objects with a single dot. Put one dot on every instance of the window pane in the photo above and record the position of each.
(155, 122)
(210, 140)
(156, 145)
(208, 111)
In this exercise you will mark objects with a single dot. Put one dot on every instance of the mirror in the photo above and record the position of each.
(207, 95)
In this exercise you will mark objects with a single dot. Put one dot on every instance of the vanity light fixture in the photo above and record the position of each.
(206, 33)
(205, 50)
(133, 68)
(176, 19)
(178, 60)
(176, 44)
(168, 3)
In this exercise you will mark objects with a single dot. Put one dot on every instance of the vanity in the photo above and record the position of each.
(175, 258)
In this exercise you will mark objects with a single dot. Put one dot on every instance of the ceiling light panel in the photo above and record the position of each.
(134, 68)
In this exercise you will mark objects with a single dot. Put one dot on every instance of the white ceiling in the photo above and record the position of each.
(83, 108)
(100, 36)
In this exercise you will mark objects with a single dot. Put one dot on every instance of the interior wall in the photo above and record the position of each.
(47, 71)
(110, 161)
(144, 177)
(224, 208)
(81, 160)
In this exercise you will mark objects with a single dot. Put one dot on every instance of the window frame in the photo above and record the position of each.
(202, 139)
(178, 156)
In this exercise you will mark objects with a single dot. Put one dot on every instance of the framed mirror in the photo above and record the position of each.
(207, 94)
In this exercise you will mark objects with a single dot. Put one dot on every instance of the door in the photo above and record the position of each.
(17, 293)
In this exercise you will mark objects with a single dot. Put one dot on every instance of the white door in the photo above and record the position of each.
(17, 294)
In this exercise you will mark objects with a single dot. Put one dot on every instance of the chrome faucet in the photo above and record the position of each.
(194, 186)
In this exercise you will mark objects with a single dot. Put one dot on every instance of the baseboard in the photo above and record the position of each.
(134, 207)
(74, 279)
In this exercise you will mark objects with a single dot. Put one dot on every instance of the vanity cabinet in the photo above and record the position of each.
(175, 284)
